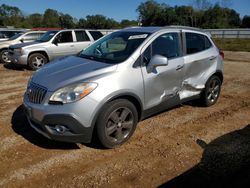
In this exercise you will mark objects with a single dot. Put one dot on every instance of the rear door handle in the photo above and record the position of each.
(179, 67)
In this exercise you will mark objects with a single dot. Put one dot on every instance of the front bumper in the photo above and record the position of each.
(45, 118)
(18, 58)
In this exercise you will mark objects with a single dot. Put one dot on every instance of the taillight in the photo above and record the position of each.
(222, 54)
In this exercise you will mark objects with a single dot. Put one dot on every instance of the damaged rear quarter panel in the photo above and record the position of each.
(197, 70)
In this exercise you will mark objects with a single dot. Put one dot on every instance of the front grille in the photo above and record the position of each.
(36, 93)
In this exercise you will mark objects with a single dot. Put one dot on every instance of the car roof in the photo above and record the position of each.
(155, 29)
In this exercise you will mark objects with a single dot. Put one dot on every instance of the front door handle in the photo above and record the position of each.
(179, 67)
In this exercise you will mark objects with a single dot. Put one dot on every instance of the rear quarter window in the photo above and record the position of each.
(196, 43)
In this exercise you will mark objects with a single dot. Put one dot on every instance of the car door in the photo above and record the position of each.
(62, 45)
(164, 82)
(200, 58)
(82, 40)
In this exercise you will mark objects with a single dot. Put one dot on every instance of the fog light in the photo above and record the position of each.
(60, 129)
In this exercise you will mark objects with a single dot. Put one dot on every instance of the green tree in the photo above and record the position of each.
(246, 22)
(66, 21)
(150, 12)
(35, 20)
(10, 15)
(218, 17)
(51, 18)
(128, 23)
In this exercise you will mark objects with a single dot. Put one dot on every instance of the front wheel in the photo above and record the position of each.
(116, 123)
(212, 91)
(4, 56)
(36, 61)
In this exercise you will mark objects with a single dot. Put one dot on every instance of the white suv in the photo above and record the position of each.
(51, 45)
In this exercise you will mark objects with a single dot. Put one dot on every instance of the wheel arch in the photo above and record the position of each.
(40, 52)
(128, 96)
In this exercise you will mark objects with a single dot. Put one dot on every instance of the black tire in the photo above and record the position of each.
(36, 61)
(211, 92)
(116, 123)
(3, 56)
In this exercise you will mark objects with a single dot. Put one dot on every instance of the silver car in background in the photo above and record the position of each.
(52, 45)
(21, 37)
(121, 79)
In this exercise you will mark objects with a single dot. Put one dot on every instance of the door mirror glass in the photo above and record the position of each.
(156, 61)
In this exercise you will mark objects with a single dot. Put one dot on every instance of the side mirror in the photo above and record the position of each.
(22, 40)
(55, 42)
(156, 61)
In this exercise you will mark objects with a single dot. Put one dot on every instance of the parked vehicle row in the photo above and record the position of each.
(21, 37)
(5, 34)
(36, 48)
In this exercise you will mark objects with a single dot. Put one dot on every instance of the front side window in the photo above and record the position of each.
(166, 45)
(196, 43)
(81, 36)
(115, 47)
(64, 37)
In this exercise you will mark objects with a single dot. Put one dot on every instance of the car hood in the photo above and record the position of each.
(7, 42)
(68, 70)
(21, 45)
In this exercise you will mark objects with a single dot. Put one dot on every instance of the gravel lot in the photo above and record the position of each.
(185, 145)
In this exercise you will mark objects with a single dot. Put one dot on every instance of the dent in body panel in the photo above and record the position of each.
(196, 74)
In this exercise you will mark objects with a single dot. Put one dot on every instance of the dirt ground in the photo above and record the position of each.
(185, 145)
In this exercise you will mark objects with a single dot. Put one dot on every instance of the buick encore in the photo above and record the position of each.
(121, 79)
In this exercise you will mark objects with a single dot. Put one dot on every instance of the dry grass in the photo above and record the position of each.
(233, 44)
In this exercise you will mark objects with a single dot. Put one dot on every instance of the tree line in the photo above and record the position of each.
(202, 14)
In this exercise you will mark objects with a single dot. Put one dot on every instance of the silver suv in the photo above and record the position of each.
(21, 37)
(121, 79)
(51, 45)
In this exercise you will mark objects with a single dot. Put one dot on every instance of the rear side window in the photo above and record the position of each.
(196, 43)
(96, 34)
(81, 36)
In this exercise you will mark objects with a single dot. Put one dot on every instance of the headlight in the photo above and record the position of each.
(73, 92)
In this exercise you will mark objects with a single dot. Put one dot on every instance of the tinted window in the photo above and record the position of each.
(81, 36)
(196, 43)
(166, 45)
(64, 37)
(96, 34)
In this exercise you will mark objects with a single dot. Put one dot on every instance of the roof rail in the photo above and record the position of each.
(182, 27)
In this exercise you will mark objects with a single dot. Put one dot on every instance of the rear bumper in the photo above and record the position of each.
(75, 132)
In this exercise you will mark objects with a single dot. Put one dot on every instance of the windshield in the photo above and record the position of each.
(47, 36)
(114, 48)
(16, 36)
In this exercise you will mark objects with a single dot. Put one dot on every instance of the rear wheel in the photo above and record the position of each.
(4, 56)
(36, 61)
(116, 123)
(212, 91)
